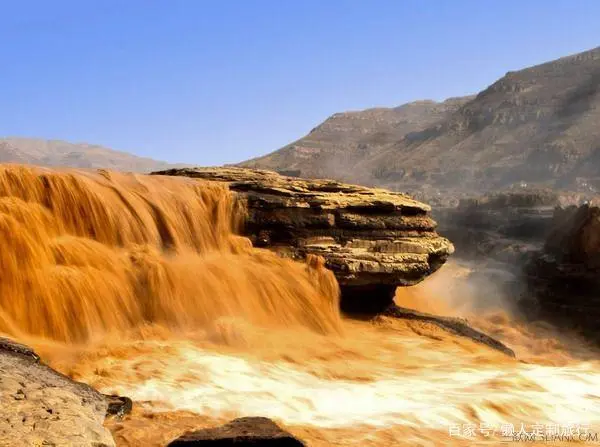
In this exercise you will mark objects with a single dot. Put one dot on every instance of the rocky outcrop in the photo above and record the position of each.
(39, 406)
(499, 234)
(501, 227)
(456, 326)
(248, 431)
(372, 239)
(564, 277)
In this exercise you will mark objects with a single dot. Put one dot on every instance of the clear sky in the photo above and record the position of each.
(219, 81)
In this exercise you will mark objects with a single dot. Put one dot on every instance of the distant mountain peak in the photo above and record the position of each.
(53, 152)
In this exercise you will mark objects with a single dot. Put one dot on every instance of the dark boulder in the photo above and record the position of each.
(118, 405)
(247, 431)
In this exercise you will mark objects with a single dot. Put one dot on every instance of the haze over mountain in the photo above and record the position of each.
(334, 147)
(77, 155)
(539, 125)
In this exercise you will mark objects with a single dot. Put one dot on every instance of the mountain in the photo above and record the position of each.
(334, 147)
(539, 125)
(77, 155)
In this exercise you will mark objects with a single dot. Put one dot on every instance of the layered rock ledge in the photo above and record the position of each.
(372, 239)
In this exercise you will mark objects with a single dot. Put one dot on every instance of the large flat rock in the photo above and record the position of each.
(372, 239)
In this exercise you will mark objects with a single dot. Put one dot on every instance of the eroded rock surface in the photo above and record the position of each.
(248, 431)
(503, 227)
(372, 239)
(565, 275)
(497, 235)
(39, 406)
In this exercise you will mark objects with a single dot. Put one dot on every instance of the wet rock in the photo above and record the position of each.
(248, 431)
(118, 406)
(39, 406)
(8, 345)
(456, 326)
(370, 238)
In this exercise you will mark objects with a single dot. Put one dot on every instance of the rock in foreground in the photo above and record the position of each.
(39, 406)
(372, 239)
(248, 431)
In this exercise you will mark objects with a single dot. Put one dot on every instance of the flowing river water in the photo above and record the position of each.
(140, 286)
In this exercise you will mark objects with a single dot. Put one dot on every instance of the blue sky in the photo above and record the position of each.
(211, 82)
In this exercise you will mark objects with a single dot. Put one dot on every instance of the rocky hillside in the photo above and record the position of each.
(540, 125)
(334, 147)
(61, 153)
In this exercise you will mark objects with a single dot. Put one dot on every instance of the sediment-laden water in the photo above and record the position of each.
(141, 286)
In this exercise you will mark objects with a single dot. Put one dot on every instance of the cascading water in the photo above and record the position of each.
(140, 286)
(88, 254)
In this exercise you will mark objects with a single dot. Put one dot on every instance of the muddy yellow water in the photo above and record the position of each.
(140, 286)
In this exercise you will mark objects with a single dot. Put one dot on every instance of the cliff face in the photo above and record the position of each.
(565, 275)
(502, 227)
(372, 239)
(537, 126)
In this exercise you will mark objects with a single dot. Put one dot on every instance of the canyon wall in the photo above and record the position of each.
(564, 277)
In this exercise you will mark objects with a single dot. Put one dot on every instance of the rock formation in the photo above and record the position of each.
(497, 235)
(39, 406)
(565, 275)
(372, 239)
(501, 227)
(248, 431)
(456, 326)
